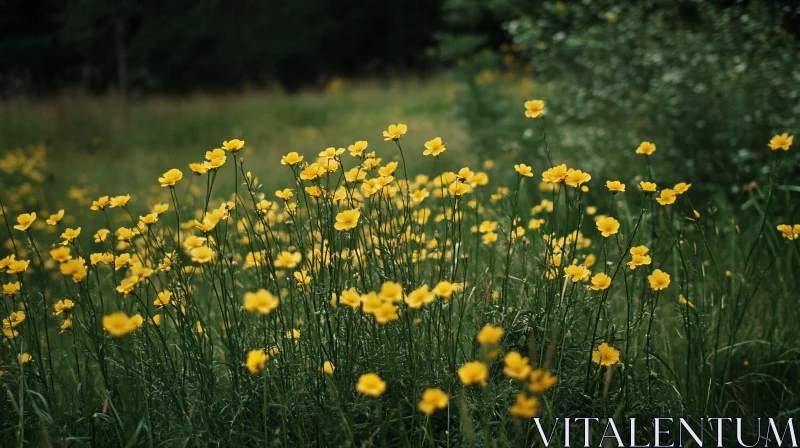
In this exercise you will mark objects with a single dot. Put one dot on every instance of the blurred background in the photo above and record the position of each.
(116, 92)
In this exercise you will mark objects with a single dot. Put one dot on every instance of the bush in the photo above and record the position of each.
(708, 82)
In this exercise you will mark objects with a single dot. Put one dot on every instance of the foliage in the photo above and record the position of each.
(707, 81)
(251, 316)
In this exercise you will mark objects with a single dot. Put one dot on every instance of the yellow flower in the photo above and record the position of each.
(523, 170)
(540, 381)
(489, 335)
(284, 194)
(347, 220)
(216, 158)
(458, 188)
(61, 254)
(233, 145)
(420, 296)
(260, 302)
(148, 219)
(525, 407)
(14, 319)
(555, 174)
(781, 141)
(658, 280)
(9, 289)
(395, 132)
(302, 277)
(788, 232)
(600, 281)
(163, 298)
(351, 298)
(256, 360)
(288, 260)
(119, 201)
(312, 171)
(419, 195)
(331, 153)
(199, 168)
(63, 306)
(202, 254)
(171, 177)
(75, 268)
(18, 266)
(666, 197)
(516, 366)
(577, 273)
(615, 186)
(54, 219)
(576, 178)
(66, 325)
(118, 324)
(100, 204)
(386, 313)
(328, 368)
(681, 188)
(608, 226)
(433, 399)
(371, 384)
(646, 148)
(24, 358)
(69, 235)
(534, 108)
(434, 147)
(489, 238)
(357, 148)
(648, 187)
(444, 289)
(474, 372)
(683, 301)
(25, 220)
(605, 355)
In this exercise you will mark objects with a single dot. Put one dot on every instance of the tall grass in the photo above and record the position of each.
(373, 304)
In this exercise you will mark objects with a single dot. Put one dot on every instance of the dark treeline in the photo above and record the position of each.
(186, 45)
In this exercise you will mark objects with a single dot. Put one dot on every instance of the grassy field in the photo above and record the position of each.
(117, 146)
(405, 298)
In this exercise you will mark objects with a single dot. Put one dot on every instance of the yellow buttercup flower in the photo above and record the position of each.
(371, 384)
(119, 201)
(781, 141)
(489, 335)
(260, 302)
(474, 372)
(658, 280)
(69, 235)
(607, 226)
(605, 355)
(351, 298)
(395, 132)
(54, 219)
(600, 281)
(647, 187)
(118, 324)
(63, 306)
(681, 188)
(523, 170)
(516, 366)
(525, 407)
(683, 301)
(100, 204)
(284, 194)
(328, 368)
(216, 158)
(646, 148)
(256, 360)
(434, 147)
(555, 174)
(9, 289)
(615, 186)
(61, 254)
(233, 145)
(576, 178)
(534, 108)
(666, 197)
(357, 148)
(444, 289)
(347, 220)
(433, 399)
(288, 260)
(75, 268)
(202, 254)
(170, 178)
(25, 220)
(420, 296)
(541, 380)
(577, 273)
(24, 358)
(162, 298)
